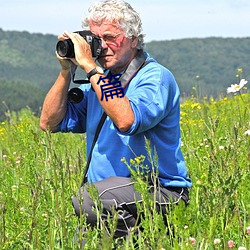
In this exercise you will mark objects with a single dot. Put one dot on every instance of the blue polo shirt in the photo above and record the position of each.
(154, 97)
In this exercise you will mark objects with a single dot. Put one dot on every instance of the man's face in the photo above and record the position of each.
(118, 50)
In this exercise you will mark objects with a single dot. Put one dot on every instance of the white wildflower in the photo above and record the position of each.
(242, 248)
(217, 241)
(236, 87)
(247, 133)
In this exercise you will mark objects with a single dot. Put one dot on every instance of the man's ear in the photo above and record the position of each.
(134, 42)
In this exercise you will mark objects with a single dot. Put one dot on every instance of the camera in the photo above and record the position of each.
(65, 48)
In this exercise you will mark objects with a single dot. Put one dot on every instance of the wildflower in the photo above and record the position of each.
(195, 106)
(137, 159)
(240, 70)
(230, 244)
(242, 248)
(22, 210)
(237, 87)
(132, 162)
(248, 230)
(198, 182)
(45, 216)
(192, 240)
(221, 147)
(247, 133)
(14, 188)
(216, 241)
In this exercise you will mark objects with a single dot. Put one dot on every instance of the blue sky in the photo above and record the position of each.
(162, 19)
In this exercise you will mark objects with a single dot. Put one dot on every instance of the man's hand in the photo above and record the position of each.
(83, 54)
(66, 63)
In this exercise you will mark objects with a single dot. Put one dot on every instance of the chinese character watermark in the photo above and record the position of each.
(112, 88)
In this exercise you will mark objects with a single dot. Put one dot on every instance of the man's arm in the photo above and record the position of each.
(118, 109)
(55, 103)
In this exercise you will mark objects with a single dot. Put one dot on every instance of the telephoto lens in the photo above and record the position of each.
(75, 95)
(65, 48)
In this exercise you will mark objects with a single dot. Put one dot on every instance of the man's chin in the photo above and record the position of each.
(104, 63)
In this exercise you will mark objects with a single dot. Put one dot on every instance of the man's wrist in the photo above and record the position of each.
(96, 70)
(65, 73)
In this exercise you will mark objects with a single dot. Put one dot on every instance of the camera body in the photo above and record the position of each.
(65, 48)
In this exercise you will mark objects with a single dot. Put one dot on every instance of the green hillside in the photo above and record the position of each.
(28, 66)
(211, 63)
(28, 57)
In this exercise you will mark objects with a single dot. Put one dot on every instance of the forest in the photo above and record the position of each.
(202, 67)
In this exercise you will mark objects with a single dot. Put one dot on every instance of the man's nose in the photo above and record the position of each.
(104, 44)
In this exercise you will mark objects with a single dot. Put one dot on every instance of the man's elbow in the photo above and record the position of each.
(124, 125)
(45, 126)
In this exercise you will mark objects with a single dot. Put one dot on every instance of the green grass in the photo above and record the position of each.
(40, 172)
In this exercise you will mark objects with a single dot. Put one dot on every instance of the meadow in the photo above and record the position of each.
(40, 172)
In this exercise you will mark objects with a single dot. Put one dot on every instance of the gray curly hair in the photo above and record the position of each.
(120, 12)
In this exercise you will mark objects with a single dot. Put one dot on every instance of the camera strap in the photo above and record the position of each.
(136, 64)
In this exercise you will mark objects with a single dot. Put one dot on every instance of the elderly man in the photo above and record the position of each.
(144, 107)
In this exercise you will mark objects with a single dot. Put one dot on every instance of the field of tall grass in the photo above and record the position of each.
(40, 172)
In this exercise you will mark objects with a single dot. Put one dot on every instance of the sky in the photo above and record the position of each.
(162, 19)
